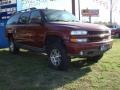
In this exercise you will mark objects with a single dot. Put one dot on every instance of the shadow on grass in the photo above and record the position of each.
(30, 71)
(115, 37)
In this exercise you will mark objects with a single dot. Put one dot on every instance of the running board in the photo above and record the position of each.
(41, 50)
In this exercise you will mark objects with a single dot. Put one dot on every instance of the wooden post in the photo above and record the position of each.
(79, 8)
(73, 7)
(90, 20)
(111, 11)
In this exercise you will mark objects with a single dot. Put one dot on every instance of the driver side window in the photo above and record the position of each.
(24, 18)
(35, 17)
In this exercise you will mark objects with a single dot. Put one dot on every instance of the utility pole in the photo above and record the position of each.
(73, 7)
(111, 11)
(79, 8)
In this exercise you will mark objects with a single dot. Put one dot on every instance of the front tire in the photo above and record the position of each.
(58, 58)
(95, 58)
(12, 47)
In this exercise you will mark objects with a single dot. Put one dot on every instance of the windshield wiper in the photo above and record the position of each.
(74, 21)
(66, 20)
(62, 20)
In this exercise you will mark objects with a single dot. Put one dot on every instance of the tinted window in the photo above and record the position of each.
(24, 18)
(59, 15)
(35, 17)
(13, 20)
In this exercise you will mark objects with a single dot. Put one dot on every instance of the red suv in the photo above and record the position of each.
(59, 34)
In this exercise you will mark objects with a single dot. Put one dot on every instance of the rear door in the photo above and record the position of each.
(22, 33)
(12, 24)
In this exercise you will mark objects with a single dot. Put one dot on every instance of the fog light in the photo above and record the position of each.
(82, 40)
(79, 40)
(81, 53)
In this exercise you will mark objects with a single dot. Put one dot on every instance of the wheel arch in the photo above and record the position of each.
(10, 36)
(50, 39)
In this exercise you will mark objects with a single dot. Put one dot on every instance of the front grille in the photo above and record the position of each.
(94, 36)
(97, 39)
(97, 32)
(97, 36)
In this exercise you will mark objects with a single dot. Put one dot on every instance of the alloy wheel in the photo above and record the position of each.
(55, 57)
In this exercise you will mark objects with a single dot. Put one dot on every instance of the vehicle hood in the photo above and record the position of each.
(79, 26)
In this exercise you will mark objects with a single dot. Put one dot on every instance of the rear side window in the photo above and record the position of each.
(35, 17)
(13, 20)
(24, 18)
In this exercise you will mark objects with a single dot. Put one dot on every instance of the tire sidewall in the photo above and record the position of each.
(95, 58)
(64, 58)
(12, 47)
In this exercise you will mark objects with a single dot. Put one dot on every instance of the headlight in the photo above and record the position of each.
(82, 32)
(110, 31)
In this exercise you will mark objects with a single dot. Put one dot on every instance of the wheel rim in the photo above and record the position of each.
(11, 46)
(55, 57)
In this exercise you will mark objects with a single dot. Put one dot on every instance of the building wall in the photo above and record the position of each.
(7, 8)
(3, 2)
(51, 4)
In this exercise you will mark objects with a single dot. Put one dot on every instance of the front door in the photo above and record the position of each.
(37, 29)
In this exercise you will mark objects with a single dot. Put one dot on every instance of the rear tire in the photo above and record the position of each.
(12, 47)
(95, 58)
(58, 58)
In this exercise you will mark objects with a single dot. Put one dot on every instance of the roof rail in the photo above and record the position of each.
(29, 9)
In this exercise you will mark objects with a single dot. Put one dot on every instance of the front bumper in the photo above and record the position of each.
(88, 49)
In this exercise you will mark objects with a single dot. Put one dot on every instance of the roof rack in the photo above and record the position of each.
(29, 9)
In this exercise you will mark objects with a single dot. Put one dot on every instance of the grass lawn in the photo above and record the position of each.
(30, 71)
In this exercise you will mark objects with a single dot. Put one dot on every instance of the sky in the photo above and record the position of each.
(102, 5)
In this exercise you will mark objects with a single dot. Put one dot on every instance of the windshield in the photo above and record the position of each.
(59, 15)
